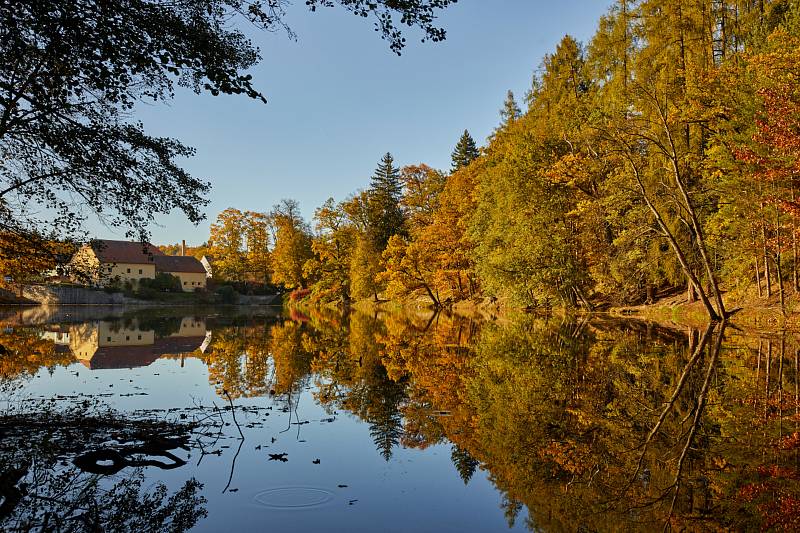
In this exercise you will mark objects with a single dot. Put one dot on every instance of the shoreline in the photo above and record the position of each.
(674, 312)
(750, 313)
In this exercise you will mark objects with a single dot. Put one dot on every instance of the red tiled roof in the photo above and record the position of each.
(121, 357)
(108, 251)
(179, 263)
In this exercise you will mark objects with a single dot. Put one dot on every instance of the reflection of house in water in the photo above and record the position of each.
(58, 337)
(103, 344)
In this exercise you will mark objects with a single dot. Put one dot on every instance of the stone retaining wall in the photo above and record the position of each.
(57, 295)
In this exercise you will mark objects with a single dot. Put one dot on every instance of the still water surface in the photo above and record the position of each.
(321, 422)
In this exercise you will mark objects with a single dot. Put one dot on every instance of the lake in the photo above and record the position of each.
(245, 419)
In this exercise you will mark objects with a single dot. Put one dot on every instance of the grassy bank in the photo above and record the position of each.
(750, 311)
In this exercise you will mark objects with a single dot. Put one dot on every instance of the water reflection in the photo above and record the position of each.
(578, 423)
(42, 492)
(104, 344)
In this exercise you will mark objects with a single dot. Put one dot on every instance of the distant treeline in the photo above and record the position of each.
(661, 154)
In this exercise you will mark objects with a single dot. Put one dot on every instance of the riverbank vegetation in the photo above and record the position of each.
(660, 156)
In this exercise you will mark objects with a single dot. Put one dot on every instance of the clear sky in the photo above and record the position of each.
(338, 99)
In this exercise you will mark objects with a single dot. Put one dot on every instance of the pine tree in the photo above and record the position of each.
(465, 152)
(386, 216)
(387, 178)
(510, 111)
(464, 463)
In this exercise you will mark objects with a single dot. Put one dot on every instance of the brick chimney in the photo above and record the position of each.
(183, 247)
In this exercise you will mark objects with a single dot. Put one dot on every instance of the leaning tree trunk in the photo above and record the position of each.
(712, 313)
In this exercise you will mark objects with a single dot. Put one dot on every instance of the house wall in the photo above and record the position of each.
(86, 339)
(110, 335)
(127, 271)
(83, 340)
(84, 266)
(191, 327)
(191, 280)
(207, 266)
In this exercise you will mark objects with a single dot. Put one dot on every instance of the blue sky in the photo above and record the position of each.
(338, 99)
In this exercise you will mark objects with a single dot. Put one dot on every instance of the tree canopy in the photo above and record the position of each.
(71, 74)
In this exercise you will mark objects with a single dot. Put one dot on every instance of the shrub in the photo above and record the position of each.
(163, 282)
(299, 294)
(146, 293)
(112, 286)
(128, 288)
(227, 295)
(202, 296)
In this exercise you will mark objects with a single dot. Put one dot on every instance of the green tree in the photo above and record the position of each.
(364, 268)
(464, 463)
(527, 240)
(365, 259)
(385, 213)
(465, 151)
(510, 110)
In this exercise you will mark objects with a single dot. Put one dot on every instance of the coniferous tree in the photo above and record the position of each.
(465, 151)
(383, 412)
(510, 111)
(385, 214)
(464, 463)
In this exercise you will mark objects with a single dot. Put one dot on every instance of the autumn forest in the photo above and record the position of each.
(660, 155)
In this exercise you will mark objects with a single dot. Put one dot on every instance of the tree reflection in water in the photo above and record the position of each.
(55, 477)
(581, 423)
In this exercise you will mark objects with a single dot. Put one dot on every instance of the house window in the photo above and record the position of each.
(138, 337)
(127, 337)
(140, 271)
(109, 270)
(108, 339)
(184, 283)
(129, 271)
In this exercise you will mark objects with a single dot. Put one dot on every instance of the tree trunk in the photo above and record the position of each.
(778, 260)
(758, 276)
(795, 281)
(432, 296)
(701, 244)
(712, 313)
(583, 299)
(779, 272)
(767, 273)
